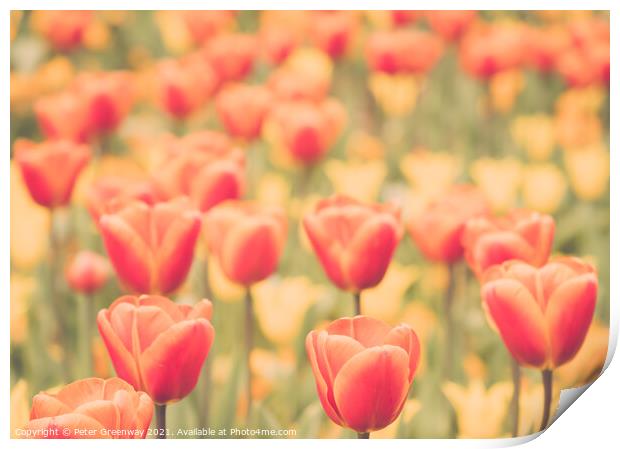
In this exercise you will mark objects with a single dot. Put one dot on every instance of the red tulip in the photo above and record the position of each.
(450, 24)
(334, 31)
(204, 167)
(309, 129)
(353, 241)
(232, 55)
(110, 194)
(403, 51)
(276, 44)
(88, 272)
(291, 85)
(542, 314)
(90, 408)
(204, 25)
(546, 46)
(63, 29)
(438, 229)
(242, 109)
(247, 239)
(363, 370)
(185, 85)
(522, 235)
(404, 17)
(151, 247)
(63, 116)
(156, 345)
(50, 169)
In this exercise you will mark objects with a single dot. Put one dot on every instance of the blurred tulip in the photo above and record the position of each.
(204, 167)
(247, 239)
(63, 116)
(63, 29)
(111, 193)
(576, 130)
(289, 84)
(522, 235)
(431, 173)
(274, 190)
(588, 172)
(156, 345)
(545, 46)
(535, 134)
(204, 25)
(364, 146)
(19, 401)
(359, 180)
(408, 51)
(184, 85)
(22, 289)
(91, 408)
(242, 109)
(50, 169)
(16, 20)
(363, 370)
(397, 94)
(151, 247)
(544, 187)
(499, 180)
(426, 323)
(232, 55)
(450, 24)
(87, 272)
(385, 301)
(277, 43)
(437, 230)
(542, 314)
(312, 63)
(504, 87)
(223, 288)
(353, 241)
(334, 31)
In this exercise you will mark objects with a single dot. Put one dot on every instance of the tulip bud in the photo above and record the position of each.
(87, 273)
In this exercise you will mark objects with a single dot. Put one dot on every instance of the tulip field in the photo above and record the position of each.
(306, 224)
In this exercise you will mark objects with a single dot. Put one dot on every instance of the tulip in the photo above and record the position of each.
(334, 31)
(545, 47)
(522, 235)
(288, 84)
(242, 109)
(204, 25)
(354, 241)
(91, 408)
(450, 24)
(151, 247)
(204, 167)
(64, 30)
(50, 169)
(542, 314)
(87, 273)
(363, 370)
(110, 194)
(232, 55)
(62, 116)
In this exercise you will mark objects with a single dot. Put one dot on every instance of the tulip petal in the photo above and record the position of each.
(151, 321)
(404, 337)
(45, 405)
(81, 391)
(326, 250)
(104, 412)
(122, 359)
(497, 247)
(70, 425)
(203, 309)
(166, 305)
(371, 388)
(366, 330)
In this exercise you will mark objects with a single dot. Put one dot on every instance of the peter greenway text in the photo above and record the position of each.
(196, 432)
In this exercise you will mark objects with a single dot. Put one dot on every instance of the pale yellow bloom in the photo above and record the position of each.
(544, 187)
(96, 35)
(311, 62)
(575, 130)
(364, 146)
(359, 180)
(499, 180)
(474, 367)
(223, 288)
(174, 33)
(535, 134)
(587, 100)
(273, 190)
(504, 87)
(22, 288)
(410, 409)
(396, 94)
(281, 304)
(269, 369)
(434, 279)
(588, 172)
(20, 406)
(424, 322)
(385, 301)
(30, 225)
(480, 411)
(430, 173)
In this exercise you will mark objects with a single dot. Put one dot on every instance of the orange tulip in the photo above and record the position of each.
(403, 51)
(522, 235)
(276, 44)
(353, 241)
(363, 370)
(291, 85)
(334, 31)
(204, 25)
(204, 167)
(63, 29)
(450, 24)
(247, 239)
(438, 229)
(109, 194)
(542, 314)
(156, 345)
(184, 85)
(50, 169)
(151, 247)
(404, 17)
(91, 408)
(242, 109)
(308, 129)
(232, 55)
(545, 46)
(88, 272)
(62, 116)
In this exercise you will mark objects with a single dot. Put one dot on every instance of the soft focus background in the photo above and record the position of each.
(528, 123)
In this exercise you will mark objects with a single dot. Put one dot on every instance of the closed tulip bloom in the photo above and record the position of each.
(232, 55)
(246, 238)
(334, 31)
(151, 247)
(87, 272)
(354, 241)
(438, 229)
(403, 51)
(523, 235)
(204, 25)
(156, 345)
(91, 408)
(204, 167)
(111, 193)
(50, 169)
(542, 314)
(450, 24)
(242, 109)
(62, 116)
(64, 30)
(363, 370)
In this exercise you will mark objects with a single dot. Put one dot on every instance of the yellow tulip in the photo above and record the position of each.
(223, 288)
(97, 35)
(504, 87)
(424, 321)
(544, 187)
(588, 171)
(535, 134)
(396, 94)
(269, 369)
(174, 33)
(385, 301)
(359, 180)
(16, 19)
(273, 189)
(499, 180)
(586, 100)
(20, 406)
(22, 288)
(364, 146)
(430, 173)
(575, 130)
(312, 62)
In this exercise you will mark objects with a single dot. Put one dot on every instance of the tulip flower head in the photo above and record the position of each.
(450, 24)
(111, 193)
(91, 408)
(88, 272)
(353, 241)
(334, 31)
(542, 314)
(151, 247)
(156, 345)
(64, 30)
(363, 370)
(522, 235)
(242, 109)
(232, 55)
(246, 238)
(62, 116)
(50, 169)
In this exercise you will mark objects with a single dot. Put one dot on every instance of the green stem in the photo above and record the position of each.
(514, 404)
(449, 322)
(86, 312)
(55, 261)
(547, 379)
(363, 435)
(206, 370)
(357, 303)
(249, 343)
(160, 421)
